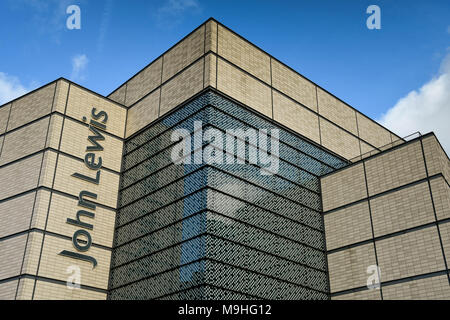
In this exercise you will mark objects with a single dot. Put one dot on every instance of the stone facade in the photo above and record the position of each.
(390, 208)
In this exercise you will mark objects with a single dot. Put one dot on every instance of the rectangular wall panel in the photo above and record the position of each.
(402, 209)
(244, 54)
(343, 187)
(410, 254)
(336, 111)
(338, 141)
(295, 117)
(144, 82)
(31, 106)
(348, 268)
(244, 88)
(395, 168)
(143, 113)
(347, 226)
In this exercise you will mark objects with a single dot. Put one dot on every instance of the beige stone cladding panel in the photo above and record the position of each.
(348, 268)
(15, 214)
(48, 169)
(106, 190)
(336, 111)
(410, 254)
(144, 82)
(31, 259)
(360, 295)
(294, 85)
(119, 95)
(20, 176)
(343, 187)
(435, 288)
(184, 53)
(295, 117)
(437, 161)
(210, 70)
(81, 102)
(243, 54)
(182, 87)
(24, 141)
(143, 112)
(338, 141)
(441, 197)
(1, 143)
(25, 289)
(211, 36)
(31, 106)
(62, 88)
(53, 291)
(54, 266)
(244, 88)
(4, 115)
(8, 290)
(75, 141)
(367, 150)
(395, 168)
(11, 256)
(372, 132)
(347, 226)
(63, 207)
(54, 131)
(402, 209)
(444, 229)
(396, 140)
(40, 209)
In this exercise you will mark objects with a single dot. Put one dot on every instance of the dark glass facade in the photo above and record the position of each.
(219, 231)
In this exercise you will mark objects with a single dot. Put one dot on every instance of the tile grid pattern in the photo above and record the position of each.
(423, 233)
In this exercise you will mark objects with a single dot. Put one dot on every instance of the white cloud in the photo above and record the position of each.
(172, 12)
(10, 88)
(426, 109)
(79, 64)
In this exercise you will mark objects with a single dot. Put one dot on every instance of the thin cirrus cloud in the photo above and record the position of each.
(10, 88)
(79, 66)
(426, 109)
(173, 12)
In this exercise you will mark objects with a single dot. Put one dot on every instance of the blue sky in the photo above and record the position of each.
(383, 73)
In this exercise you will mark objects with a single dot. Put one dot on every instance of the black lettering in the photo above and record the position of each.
(78, 221)
(86, 203)
(95, 180)
(93, 139)
(79, 256)
(99, 115)
(89, 160)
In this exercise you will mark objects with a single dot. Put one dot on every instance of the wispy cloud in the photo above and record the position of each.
(104, 24)
(172, 12)
(48, 17)
(79, 65)
(426, 109)
(10, 88)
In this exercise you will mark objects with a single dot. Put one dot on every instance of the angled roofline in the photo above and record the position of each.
(383, 152)
(69, 81)
(271, 56)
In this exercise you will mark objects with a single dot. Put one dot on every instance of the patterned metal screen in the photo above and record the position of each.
(219, 230)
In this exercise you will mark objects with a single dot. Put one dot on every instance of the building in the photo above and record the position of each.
(154, 193)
